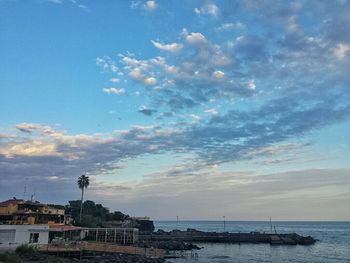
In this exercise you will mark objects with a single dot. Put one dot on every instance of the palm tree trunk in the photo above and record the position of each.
(81, 203)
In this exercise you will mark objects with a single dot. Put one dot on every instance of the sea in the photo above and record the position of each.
(333, 243)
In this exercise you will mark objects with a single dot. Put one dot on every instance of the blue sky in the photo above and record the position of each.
(179, 108)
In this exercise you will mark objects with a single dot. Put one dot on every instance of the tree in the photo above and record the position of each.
(83, 183)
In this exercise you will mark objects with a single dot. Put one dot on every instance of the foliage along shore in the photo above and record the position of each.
(96, 215)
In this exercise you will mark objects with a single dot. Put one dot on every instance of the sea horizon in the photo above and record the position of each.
(211, 220)
(332, 245)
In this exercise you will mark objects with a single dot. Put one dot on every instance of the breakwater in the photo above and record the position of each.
(192, 235)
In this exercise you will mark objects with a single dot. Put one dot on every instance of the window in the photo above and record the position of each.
(34, 238)
(7, 236)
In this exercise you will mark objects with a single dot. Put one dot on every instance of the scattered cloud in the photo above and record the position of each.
(232, 26)
(274, 87)
(195, 118)
(280, 194)
(146, 111)
(150, 81)
(218, 74)
(251, 85)
(114, 80)
(117, 91)
(195, 38)
(173, 47)
(341, 50)
(56, 1)
(213, 112)
(208, 9)
(75, 3)
(151, 5)
(28, 127)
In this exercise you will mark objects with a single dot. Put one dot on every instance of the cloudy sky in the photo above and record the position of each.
(190, 108)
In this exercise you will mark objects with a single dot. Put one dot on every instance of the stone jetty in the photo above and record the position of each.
(192, 235)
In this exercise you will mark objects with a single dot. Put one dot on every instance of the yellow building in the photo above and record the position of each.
(18, 211)
(9, 206)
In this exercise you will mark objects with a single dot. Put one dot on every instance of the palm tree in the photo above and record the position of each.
(83, 183)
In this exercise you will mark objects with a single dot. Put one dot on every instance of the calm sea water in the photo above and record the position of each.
(333, 244)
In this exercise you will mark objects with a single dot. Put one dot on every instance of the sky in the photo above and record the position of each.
(196, 109)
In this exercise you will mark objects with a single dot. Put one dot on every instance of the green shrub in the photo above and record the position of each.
(9, 258)
(25, 250)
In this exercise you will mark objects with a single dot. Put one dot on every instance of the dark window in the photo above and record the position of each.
(34, 238)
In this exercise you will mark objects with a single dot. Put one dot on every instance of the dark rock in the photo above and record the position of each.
(145, 225)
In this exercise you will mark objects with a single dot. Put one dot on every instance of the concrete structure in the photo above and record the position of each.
(12, 236)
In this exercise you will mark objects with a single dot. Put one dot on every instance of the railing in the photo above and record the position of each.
(102, 247)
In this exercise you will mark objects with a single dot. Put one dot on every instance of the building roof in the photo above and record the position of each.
(59, 228)
(11, 201)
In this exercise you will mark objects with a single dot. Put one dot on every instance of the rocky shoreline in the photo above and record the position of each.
(170, 245)
(90, 258)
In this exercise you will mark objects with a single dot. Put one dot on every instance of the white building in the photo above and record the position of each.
(12, 236)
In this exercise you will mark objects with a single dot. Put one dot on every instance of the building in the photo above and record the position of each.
(17, 211)
(23, 222)
(12, 236)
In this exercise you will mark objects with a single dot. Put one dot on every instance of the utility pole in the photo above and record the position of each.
(270, 226)
(224, 217)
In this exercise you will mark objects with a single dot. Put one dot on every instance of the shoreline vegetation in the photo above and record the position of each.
(96, 215)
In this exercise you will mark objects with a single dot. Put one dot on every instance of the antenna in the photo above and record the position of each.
(25, 189)
(270, 226)
(24, 192)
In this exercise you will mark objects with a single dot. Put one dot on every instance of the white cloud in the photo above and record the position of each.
(150, 81)
(292, 25)
(114, 68)
(160, 61)
(208, 9)
(195, 118)
(101, 62)
(136, 74)
(54, 178)
(230, 44)
(232, 26)
(173, 47)
(151, 5)
(218, 74)
(114, 80)
(341, 50)
(221, 60)
(250, 85)
(195, 38)
(213, 112)
(30, 148)
(114, 91)
(135, 4)
(28, 127)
